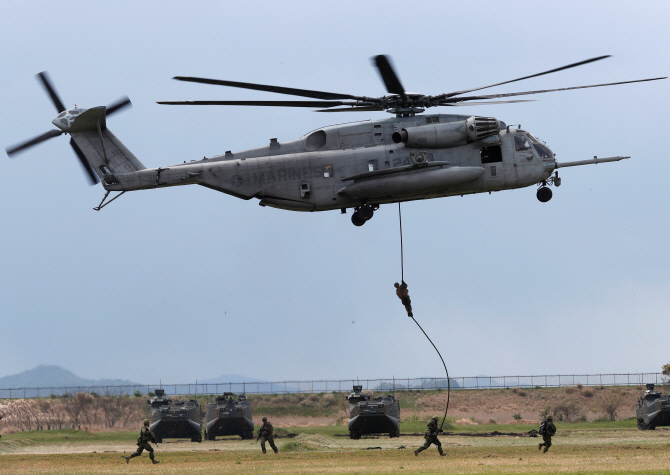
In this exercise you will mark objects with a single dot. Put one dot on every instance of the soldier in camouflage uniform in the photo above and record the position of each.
(551, 430)
(403, 294)
(431, 438)
(266, 433)
(143, 440)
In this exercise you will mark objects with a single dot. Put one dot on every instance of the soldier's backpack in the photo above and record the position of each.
(543, 428)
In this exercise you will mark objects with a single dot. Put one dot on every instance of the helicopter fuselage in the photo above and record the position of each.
(357, 164)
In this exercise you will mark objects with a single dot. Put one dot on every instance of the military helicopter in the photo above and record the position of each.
(360, 165)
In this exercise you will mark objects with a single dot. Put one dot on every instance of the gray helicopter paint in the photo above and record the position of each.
(307, 174)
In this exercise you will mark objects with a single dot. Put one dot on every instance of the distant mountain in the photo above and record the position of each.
(48, 376)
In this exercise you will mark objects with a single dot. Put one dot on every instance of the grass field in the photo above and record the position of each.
(606, 447)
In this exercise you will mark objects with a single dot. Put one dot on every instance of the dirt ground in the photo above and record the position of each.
(601, 451)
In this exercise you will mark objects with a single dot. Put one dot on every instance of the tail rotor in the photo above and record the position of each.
(46, 83)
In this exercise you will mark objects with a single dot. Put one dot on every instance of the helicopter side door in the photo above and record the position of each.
(492, 161)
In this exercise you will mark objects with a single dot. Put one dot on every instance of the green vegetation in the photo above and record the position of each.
(68, 435)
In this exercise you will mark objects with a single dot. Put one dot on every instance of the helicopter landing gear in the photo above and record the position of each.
(544, 193)
(362, 214)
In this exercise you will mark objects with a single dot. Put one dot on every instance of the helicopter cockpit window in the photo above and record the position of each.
(521, 143)
(327, 171)
(533, 138)
(543, 151)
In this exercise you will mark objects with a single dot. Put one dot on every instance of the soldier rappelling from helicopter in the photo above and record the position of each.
(403, 294)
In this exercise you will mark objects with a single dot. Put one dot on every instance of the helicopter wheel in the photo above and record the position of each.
(366, 212)
(357, 219)
(544, 194)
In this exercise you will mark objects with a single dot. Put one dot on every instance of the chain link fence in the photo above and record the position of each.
(345, 385)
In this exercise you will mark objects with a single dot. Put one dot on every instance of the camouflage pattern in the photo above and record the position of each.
(143, 443)
(267, 435)
(431, 438)
(551, 431)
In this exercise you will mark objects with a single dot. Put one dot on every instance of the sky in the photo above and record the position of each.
(185, 283)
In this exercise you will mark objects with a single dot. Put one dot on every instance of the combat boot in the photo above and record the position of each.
(154, 461)
(442, 454)
(127, 458)
(539, 446)
(416, 453)
(276, 450)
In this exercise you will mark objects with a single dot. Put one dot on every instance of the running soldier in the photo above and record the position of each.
(549, 431)
(143, 440)
(266, 433)
(431, 438)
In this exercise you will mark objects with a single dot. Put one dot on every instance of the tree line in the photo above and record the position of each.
(73, 411)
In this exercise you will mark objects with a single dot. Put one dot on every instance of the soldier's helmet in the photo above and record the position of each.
(396, 285)
(435, 418)
(264, 419)
(147, 422)
(550, 418)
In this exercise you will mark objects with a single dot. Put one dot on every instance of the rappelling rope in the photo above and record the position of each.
(402, 273)
(402, 265)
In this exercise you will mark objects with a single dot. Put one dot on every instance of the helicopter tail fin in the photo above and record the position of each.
(105, 153)
(99, 146)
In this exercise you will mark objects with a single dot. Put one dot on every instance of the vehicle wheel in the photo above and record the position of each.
(640, 424)
(395, 433)
(544, 194)
(366, 212)
(354, 435)
(210, 437)
(357, 219)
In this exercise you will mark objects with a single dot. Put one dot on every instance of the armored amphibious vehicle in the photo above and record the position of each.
(175, 420)
(369, 415)
(652, 409)
(227, 416)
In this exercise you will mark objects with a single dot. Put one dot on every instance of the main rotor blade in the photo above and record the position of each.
(34, 141)
(483, 103)
(92, 177)
(278, 89)
(573, 65)
(353, 109)
(46, 83)
(388, 75)
(495, 96)
(118, 105)
(259, 103)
